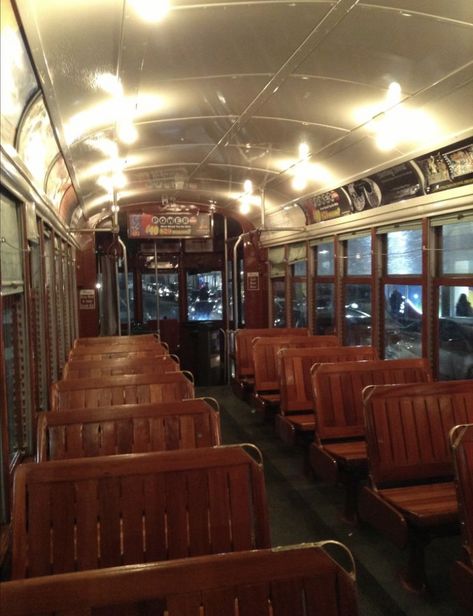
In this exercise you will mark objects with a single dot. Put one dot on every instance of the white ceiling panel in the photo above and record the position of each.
(219, 92)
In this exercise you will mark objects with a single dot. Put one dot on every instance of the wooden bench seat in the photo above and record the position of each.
(243, 381)
(98, 352)
(296, 408)
(140, 340)
(131, 428)
(411, 497)
(112, 367)
(266, 365)
(292, 581)
(89, 513)
(123, 389)
(461, 438)
(339, 422)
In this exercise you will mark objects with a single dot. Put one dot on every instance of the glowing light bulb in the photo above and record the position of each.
(151, 10)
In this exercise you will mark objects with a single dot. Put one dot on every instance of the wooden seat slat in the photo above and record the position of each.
(412, 496)
(118, 390)
(293, 581)
(99, 508)
(113, 367)
(94, 354)
(142, 339)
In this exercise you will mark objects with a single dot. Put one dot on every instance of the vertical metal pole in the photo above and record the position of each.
(226, 333)
(235, 281)
(156, 278)
(263, 211)
(118, 295)
(127, 294)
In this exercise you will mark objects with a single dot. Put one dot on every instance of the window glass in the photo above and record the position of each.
(168, 290)
(325, 263)
(204, 296)
(455, 359)
(324, 308)
(402, 321)
(60, 305)
(131, 296)
(405, 252)
(279, 302)
(16, 374)
(51, 304)
(359, 256)
(299, 304)
(357, 324)
(39, 330)
(457, 248)
(299, 268)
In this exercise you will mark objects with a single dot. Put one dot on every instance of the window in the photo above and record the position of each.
(454, 326)
(324, 288)
(404, 252)
(204, 296)
(39, 328)
(278, 294)
(299, 294)
(455, 332)
(167, 300)
(357, 292)
(124, 289)
(457, 248)
(402, 301)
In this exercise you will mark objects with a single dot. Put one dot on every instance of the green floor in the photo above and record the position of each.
(304, 510)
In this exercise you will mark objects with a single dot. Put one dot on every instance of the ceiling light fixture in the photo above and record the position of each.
(151, 11)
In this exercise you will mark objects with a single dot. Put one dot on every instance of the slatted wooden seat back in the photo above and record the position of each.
(462, 447)
(337, 390)
(265, 356)
(124, 389)
(113, 367)
(98, 352)
(290, 582)
(412, 496)
(92, 513)
(131, 428)
(243, 350)
(462, 574)
(407, 430)
(295, 365)
(141, 340)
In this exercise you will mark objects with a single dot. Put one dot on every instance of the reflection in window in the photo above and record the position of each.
(455, 360)
(279, 302)
(402, 321)
(359, 256)
(131, 296)
(357, 323)
(325, 262)
(299, 294)
(16, 377)
(168, 296)
(405, 252)
(204, 296)
(324, 308)
(457, 244)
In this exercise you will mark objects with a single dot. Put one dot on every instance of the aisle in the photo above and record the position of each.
(304, 510)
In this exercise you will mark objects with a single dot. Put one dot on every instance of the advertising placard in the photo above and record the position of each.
(169, 225)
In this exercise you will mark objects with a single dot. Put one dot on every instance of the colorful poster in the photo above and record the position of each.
(180, 225)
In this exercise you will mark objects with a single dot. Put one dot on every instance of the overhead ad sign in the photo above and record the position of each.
(179, 225)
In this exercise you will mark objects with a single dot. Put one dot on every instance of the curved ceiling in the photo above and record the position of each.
(221, 92)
